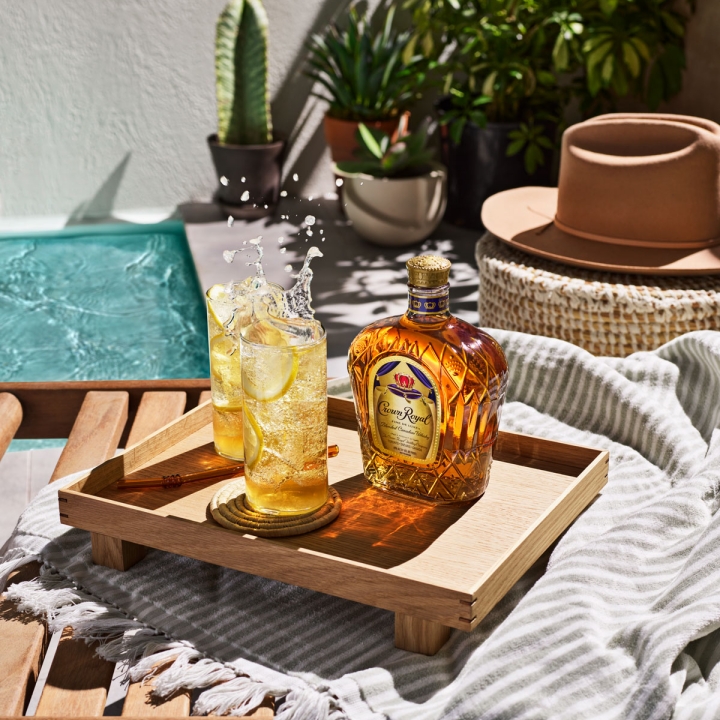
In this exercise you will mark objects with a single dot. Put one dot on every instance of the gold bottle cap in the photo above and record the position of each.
(428, 271)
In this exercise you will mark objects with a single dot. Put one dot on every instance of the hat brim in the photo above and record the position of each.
(523, 218)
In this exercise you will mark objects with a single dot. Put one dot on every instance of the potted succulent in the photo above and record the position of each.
(515, 66)
(365, 76)
(395, 194)
(246, 154)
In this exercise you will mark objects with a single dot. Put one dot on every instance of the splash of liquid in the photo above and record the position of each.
(298, 298)
(255, 298)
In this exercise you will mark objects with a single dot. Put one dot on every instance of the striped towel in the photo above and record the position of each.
(624, 623)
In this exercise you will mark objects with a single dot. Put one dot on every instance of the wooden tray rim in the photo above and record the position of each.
(461, 608)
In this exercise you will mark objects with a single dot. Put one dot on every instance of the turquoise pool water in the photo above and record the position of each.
(101, 302)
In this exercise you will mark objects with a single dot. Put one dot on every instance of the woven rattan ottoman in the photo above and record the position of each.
(605, 313)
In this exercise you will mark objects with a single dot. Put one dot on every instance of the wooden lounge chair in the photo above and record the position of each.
(97, 417)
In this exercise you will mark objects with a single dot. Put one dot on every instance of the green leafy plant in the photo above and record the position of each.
(378, 156)
(241, 74)
(464, 107)
(366, 76)
(524, 60)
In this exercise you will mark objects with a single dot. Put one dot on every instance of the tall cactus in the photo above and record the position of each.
(241, 74)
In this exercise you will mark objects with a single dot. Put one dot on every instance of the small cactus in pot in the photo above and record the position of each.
(247, 157)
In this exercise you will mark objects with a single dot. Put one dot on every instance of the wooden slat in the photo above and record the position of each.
(50, 408)
(96, 432)
(78, 681)
(139, 702)
(156, 410)
(205, 395)
(10, 418)
(23, 640)
(264, 712)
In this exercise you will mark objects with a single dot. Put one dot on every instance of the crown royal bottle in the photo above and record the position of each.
(428, 391)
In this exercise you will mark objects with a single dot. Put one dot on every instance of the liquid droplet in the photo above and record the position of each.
(321, 231)
(265, 206)
(288, 268)
(310, 198)
(245, 196)
(282, 250)
(231, 221)
(242, 179)
(224, 181)
(310, 220)
(295, 177)
(256, 240)
(339, 182)
(362, 183)
(280, 239)
(283, 193)
(229, 255)
(309, 232)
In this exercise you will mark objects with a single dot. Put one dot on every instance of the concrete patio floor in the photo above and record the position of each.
(354, 284)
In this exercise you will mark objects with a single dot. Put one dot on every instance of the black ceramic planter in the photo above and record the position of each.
(260, 165)
(479, 167)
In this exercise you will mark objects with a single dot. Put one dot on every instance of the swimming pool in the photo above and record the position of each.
(101, 302)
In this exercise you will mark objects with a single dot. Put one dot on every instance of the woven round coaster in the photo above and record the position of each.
(605, 313)
(229, 509)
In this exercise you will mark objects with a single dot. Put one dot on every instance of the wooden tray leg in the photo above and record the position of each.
(114, 553)
(419, 636)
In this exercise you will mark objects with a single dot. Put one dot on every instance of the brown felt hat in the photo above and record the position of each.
(638, 193)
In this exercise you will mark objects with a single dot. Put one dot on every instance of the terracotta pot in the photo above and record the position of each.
(260, 165)
(340, 134)
(395, 211)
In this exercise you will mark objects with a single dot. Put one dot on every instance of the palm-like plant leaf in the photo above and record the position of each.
(369, 76)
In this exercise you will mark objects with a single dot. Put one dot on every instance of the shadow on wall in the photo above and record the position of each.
(100, 206)
(298, 116)
(295, 110)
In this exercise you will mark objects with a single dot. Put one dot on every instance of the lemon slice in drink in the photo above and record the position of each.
(278, 371)
(253, 437)
(225, 360)
(220, 304)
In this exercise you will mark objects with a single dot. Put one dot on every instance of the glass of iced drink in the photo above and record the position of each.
(231, 307)
(225, 380)
(284, 380)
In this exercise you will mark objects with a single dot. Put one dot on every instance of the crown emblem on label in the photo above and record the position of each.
(404, 381)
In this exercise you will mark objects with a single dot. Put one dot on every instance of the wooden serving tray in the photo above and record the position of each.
(436, 566)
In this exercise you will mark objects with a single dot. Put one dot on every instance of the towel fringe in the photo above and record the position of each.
(238, 696)
(12, 560)
(304, 704)
(172, 665)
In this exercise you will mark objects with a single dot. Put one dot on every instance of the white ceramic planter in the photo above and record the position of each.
(395, 211)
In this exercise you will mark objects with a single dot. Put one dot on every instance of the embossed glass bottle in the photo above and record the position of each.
(428, 391)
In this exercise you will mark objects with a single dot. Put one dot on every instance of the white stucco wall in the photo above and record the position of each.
(100, 94)
(85, 84)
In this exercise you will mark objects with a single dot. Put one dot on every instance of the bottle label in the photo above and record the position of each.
(404, 404)
(428, 306)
